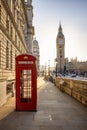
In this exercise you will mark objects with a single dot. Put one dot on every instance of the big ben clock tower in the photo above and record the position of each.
(60, 46)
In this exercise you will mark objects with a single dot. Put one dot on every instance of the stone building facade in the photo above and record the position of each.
(75, 66)
(78, 67)
(15, 32)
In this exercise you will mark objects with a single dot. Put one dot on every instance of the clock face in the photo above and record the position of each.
(61, 41)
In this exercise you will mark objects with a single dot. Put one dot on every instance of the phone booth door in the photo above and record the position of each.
(26, 91)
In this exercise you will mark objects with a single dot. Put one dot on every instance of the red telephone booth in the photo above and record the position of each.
(26, 83)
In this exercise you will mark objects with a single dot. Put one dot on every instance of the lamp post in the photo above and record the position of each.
(45, 70)
(49, 67)
(60, 63)
(56, 67)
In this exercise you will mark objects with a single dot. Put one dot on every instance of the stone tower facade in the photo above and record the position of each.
(30, 28)
(36, 53)
(60, 46)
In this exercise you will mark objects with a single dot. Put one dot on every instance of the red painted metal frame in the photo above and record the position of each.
(32, 105)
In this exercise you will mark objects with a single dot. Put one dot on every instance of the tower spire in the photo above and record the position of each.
(60, 28)
(60, 23)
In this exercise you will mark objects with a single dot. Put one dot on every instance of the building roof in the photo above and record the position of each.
(35, 41)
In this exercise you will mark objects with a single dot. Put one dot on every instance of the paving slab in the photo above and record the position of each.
(55, 111)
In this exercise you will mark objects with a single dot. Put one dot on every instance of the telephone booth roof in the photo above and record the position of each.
(25, 57)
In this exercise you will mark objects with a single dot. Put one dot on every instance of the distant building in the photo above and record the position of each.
(60, 49)
(16, 32)
(36, 54)
(43, 70)
(79, 67)
(75, 66)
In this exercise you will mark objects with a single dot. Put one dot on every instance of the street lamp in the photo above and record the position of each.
(49, 67)
(45, 70)
(60, 63)
(56, 67)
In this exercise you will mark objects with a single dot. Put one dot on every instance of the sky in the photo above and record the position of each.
(73, 17)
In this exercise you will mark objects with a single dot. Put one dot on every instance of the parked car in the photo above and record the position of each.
(52, 78)
(73, 75)
(59, 75)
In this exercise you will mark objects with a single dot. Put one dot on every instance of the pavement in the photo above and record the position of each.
(55, 111)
